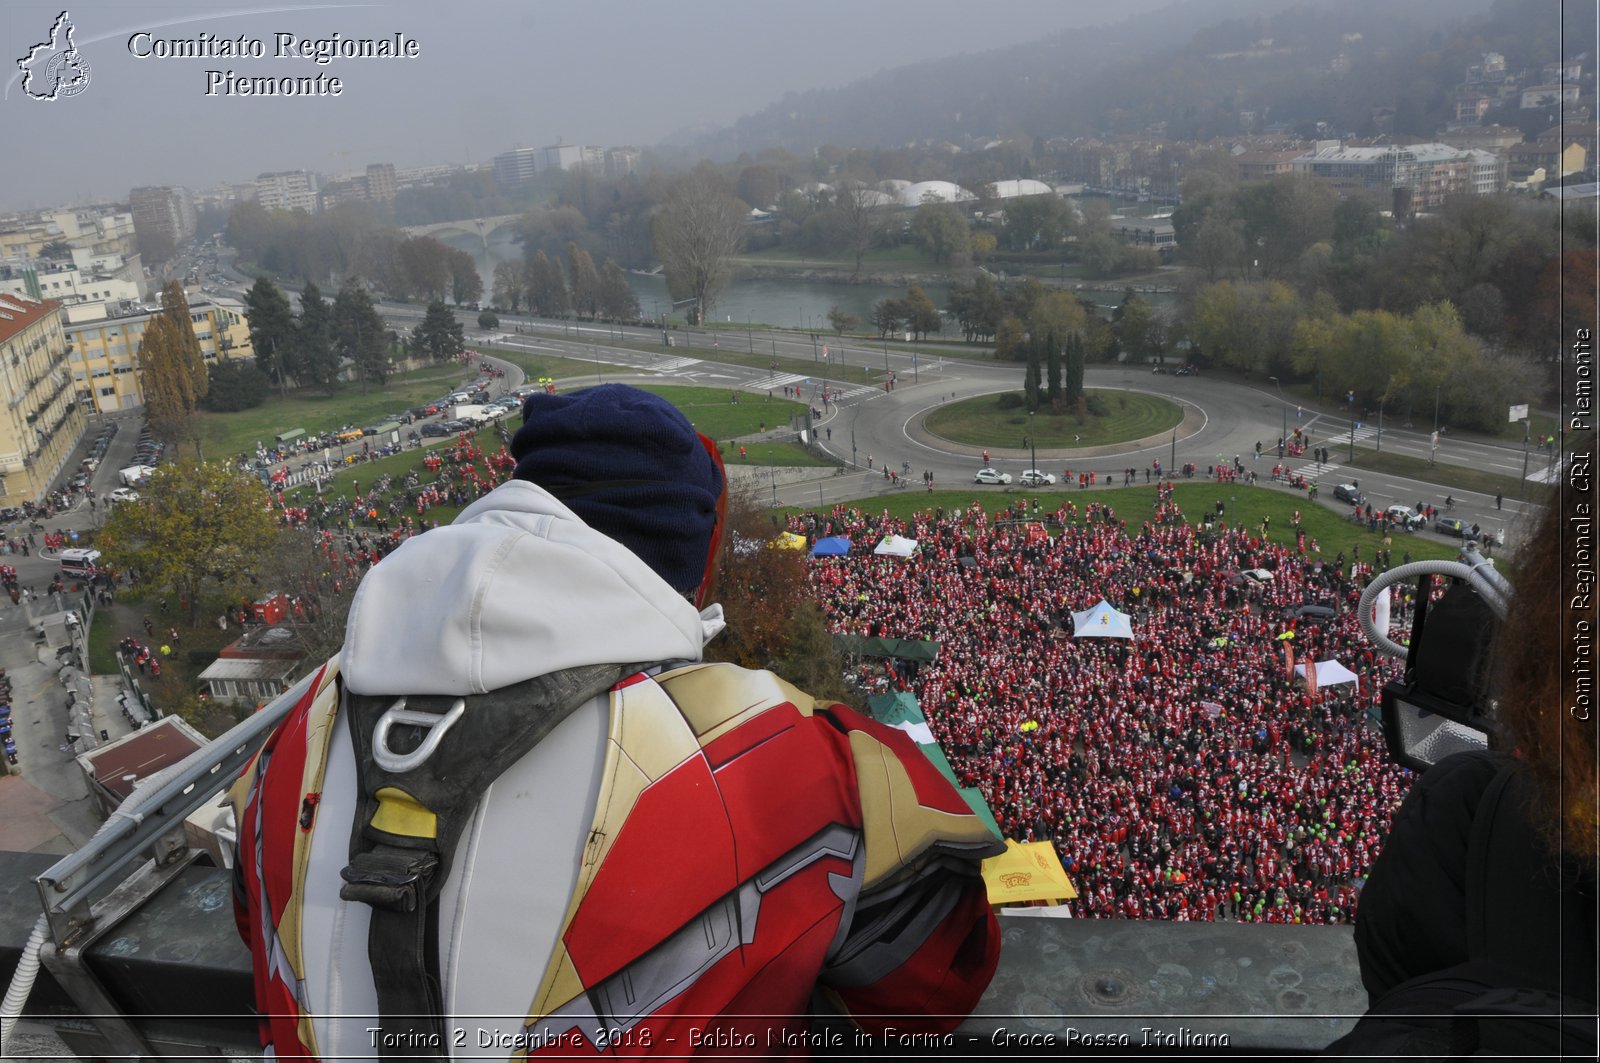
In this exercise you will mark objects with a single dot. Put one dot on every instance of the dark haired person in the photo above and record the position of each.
(661, 857)
(1477, 930)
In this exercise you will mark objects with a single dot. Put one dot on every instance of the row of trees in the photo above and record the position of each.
(307, 349)
(915, 314)
(540, 284)
(350, 239)
(1498, 259)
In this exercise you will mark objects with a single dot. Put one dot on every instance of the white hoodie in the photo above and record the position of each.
(517, 587)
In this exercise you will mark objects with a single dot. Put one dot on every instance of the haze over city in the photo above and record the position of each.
(489, 75)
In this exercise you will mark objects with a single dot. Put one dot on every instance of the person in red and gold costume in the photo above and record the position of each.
(518, 814)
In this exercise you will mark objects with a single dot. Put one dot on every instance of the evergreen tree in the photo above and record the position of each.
(1030, 378)
(272, 330)
(1074, 370)
(236, 385)
(358, 332)
(318, 361)
(440, 335)
(1052, 354)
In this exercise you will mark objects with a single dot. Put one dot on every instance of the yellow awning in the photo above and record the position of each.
(1027, 872)
(789, 541)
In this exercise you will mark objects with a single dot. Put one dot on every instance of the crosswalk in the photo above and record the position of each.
(1315, 469)
(781, 380)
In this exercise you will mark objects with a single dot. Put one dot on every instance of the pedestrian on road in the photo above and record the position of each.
(1497, 500)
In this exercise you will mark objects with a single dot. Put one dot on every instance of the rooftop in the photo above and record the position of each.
(118, 766)
(20, 312)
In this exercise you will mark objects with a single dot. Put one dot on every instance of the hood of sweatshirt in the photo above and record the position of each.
(518, 586)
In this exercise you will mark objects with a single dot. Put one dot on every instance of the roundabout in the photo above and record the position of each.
(1110, 417)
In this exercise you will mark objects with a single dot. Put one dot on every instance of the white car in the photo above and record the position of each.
(124, 494)
(991, 476)
(1036, 478)
(1403, 515)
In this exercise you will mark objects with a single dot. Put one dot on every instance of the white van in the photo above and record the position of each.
(133, 474)
(77, 562)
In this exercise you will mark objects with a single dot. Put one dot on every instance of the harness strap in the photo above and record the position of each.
(423, 764)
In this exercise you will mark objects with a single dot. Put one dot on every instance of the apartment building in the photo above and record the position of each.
(163, 217)
(514, 169)
(620, 162)
(105, 347)
(1431, 172)
(67, 283)
(288, 190)
(41, 421)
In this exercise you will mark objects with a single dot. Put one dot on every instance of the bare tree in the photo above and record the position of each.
(699, 228)
(862, 222)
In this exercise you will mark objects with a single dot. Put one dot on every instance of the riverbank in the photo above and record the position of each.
(816, 272)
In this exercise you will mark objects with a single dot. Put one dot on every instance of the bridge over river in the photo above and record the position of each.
(485, 229)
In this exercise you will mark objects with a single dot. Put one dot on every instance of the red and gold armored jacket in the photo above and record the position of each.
(749, 848)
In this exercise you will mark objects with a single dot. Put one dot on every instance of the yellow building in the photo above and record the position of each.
(41, 422)
(105, 361)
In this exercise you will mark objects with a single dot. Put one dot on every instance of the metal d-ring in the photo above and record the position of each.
(435, 723)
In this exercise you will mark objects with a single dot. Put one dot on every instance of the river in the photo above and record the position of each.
(797, 304)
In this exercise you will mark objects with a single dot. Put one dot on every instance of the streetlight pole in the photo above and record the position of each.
(1033, 449)
(1283, 408)
(1350, 410)
(1525, 422)
(1433, 451)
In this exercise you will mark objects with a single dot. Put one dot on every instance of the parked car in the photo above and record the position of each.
(124, 494)
(1457, 527)
(1036, 478)
(435, 428)
(1349, 493)
(452, 427)
(991, 476)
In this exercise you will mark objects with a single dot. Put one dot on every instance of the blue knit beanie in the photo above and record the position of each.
(632, 467)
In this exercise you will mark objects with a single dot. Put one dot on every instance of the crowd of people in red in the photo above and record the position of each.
(1183, 774)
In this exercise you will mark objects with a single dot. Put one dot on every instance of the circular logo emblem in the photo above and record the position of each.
(67, 74)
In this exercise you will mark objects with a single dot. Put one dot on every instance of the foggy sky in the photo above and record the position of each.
(492, 75)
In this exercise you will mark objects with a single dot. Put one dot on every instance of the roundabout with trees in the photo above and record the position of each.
(1003, 419)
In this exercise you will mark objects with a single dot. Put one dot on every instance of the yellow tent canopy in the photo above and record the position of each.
(789, 541)
(1027, 872)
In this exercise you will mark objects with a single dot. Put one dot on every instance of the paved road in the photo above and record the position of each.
(1223, 418)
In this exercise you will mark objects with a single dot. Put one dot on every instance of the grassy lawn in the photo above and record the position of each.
(713, 412)
(981, 422)
(103, 643)
(1457, 476)
(537, 365)
(227, 434)
(710, 409)
(1333, 534)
